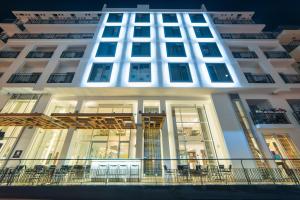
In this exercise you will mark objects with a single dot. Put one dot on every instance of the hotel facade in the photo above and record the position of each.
(139, 94)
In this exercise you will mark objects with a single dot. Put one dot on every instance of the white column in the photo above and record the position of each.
(139, 132)
(165, 136)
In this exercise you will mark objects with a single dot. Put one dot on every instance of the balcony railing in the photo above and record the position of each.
(62, 21)
(244, 54)
(72, 54)
(131, 171)
(24, 78)
(61, 77)
(248, 36)
(269, 117)
(277, 54)
(49, 36)
(233, 21)
(290, 78)
(9, 54)
(40, 54)
(259, 78)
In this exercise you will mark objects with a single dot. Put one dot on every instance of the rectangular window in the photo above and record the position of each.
(197, 18)
(175, 49)
(209, 49)
(142, 17)
(115, 17)
(172, 31)
(202, 32)
(218, 72)
(106, 49)
(100, 72)
(141, 31)
(169, 18)
(141, 49)
(111, 31)
(179, 72)
(140, 72)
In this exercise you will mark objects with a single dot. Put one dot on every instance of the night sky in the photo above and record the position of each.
(270, 12)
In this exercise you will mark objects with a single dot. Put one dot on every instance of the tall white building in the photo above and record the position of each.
(146, 89)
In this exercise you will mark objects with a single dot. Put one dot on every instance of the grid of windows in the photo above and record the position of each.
(179, 72)
(197, 18)
(115, 17)
(218, 72)
(106, 49)
(141, 49)
(172, 31)
(141, 31)
(202, 32)
(175, 49)
(111, 31)
(209, 49)
(169, 18)
(140, 72)
(142, 17)
(100, 72)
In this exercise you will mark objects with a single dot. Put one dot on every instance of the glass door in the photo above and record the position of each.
(98, 150)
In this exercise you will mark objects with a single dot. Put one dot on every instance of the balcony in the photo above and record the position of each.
(259, 78)
(9, 54)
(24, 78)
(245, 54)
(290, 78)
(40, 54)
(248, 36)
(61, 77)
(269, 117)
(50, 36)
(62, 21)
(72, 54)
(277, 55)
(233, 21)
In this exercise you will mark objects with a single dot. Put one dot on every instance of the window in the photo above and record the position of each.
(175, 49)
(140, 72)
(111, 31)
(172, 31)
(179, 72)
(218, 72)
(197, 18)
(202, 32)
(106, 49)
(209, 49)
(169, 18)
(100, 72)
(142, 17)
(141, 49)
(141, 31)
(115, 17)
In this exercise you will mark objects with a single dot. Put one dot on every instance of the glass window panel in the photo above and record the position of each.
(106, 49)
(179, 72)
(111, 31)
(172, 32)
(124, 150)
(209, 49)
(218, 72)
(142, 17)
(197, 18)
(140, 72)
(202, 32)
(141, 49)
(112, 149)
(115, 17)
(169, 18)
(100, 72)
(141, 31)
(175, 49)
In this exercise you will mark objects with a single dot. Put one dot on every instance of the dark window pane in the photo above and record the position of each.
(141, 31)
(172, 31)
(197, 18)
(141, 49)
(106, 49)
(140, 72)
(100, 72)
(209, 49)
(111, 31)
(179, 72)
(142, 17)
(218, 72)
(115, 17)
(202, 32)
(175, 49)
(169, 18)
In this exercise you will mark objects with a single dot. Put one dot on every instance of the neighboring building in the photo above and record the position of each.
(153, 93)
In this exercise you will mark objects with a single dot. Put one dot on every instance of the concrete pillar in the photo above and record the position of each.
(139, 132)
(165, 136)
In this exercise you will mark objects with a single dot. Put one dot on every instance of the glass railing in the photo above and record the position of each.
(62, 21)
(259, 78)
(248, 36)
(290, 78)
(47, 36)
(277, 54)
(233, 21)
(40, 54)
(9, 54)
(72, 54)
(24, 78)
(244, 54)
(269, 117)
(61, 77)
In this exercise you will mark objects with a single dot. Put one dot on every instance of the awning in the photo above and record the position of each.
(153, 120)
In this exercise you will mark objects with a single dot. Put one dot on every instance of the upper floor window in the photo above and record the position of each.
(218, 72)
(179, 72)
(172, 31)
(209, 49)
(197, 18)
(141, 31)
(100, 72)
(175, 49)
(111, 31)
(169, 18)
(106, 49)
(115, 17)
(142, 17)
(141, 49)
(140, 72)
(202, 32)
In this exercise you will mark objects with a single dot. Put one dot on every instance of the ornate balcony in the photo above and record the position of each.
(72, 54)
(61, 77)
(9, 54)
(244, 54)
(269, 117)
(277, 54)
(62, 21)
(24, 78)
(248, 36)
(40, 54)
(49, 36)
(259, 78)
(233, 21)
(290, 78)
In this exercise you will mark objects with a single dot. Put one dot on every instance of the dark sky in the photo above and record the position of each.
(270, 12)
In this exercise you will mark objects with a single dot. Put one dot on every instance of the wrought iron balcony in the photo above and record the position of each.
(62, 21)
(269, 117)
(290, 78)
(233, 21)
(9, 54)
(259, 78)
(72, 54)
(61, 77)
(277, 54)
(49, 36)
(248, 36)
(244, 54)
(40, 54)
(24, 78)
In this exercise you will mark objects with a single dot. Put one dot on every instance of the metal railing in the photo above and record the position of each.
(40, 54)
(269, 118)
(244, 54)
(72, 54)
(259, 78)
(290, 78)
(248, 36)
(277, 54)
(9, 54)
(61, 77)
(233, 21)
(24, 78)
(62, 21)
(131, 171)
(46, 36)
